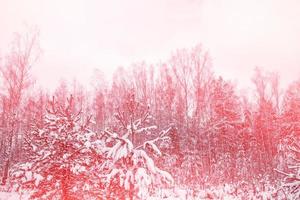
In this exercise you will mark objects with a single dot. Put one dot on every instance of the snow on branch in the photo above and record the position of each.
(130, 167)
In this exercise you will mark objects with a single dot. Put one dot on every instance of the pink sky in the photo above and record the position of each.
(78, 36)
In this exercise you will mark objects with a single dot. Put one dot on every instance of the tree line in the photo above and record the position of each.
(218, 135)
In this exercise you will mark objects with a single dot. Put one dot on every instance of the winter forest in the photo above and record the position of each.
(169, 130)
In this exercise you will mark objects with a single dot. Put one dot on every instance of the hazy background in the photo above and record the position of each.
(78, 36)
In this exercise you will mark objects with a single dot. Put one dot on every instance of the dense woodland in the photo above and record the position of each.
(165, 125)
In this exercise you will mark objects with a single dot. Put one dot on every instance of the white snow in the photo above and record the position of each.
(38, 178)
(13, 196)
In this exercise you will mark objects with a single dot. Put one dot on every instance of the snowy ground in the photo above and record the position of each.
(223, 193)
(226, 192)
(12, 196)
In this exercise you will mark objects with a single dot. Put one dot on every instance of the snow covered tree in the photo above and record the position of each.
(289, 145)
(265, 120)
(16, 79)
(224, 121)
(62, 154)
(129, 170)
(99, 103)
(165, 95)
(291, 180)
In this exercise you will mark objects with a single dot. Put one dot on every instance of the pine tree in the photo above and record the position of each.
(129, 170)
(62, 154)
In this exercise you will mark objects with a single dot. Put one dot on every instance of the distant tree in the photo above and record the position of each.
(165, 93)
(16, 78)
(100, 107)
(62, 92)
(224, 122)
(181, 64)
(265, 120)
(141, 82)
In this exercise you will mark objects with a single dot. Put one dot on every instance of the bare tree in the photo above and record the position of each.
(15, 74)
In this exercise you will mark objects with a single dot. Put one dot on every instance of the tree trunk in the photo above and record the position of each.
(5, 172)
(64, 185)
(131, 191)
(7, 160)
